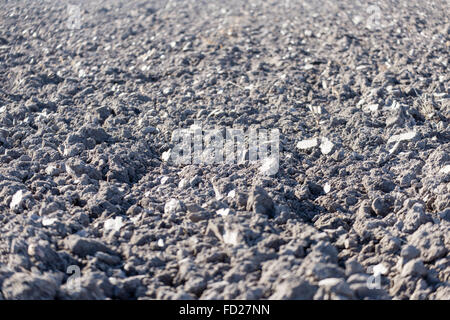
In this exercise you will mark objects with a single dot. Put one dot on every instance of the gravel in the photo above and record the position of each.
(354, 204)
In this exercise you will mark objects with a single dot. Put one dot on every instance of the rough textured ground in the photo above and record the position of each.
(86, 115)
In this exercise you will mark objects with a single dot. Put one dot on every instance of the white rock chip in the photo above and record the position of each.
(407, 136)
(17, 200)
(231, 237)
(223, 212)
(219, 195)
(329, 282)
(166, 155)
(52, 170)
(173, 206)
(373, 107)
(164, 179)
(445, 169)
(114, 224)
(269, 166)
(379, 269)
(308, 144)
(326, 147)
(48, 221)
(231, 194)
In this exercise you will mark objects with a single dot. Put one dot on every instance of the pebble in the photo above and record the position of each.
(308, 144)
(17, 200)
(407, 136)
(326, 146)
(114, 224)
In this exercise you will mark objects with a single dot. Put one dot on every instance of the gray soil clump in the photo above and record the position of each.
(92, 206)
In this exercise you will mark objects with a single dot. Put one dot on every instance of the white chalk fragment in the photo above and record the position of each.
(231, 194)
(327, 187)
(164, 179)
(16, 200)
(326, 147)
(373, 107)
(48, 221)
(379, 269)
(395, 148)
(308, 144)
(114, 224)
(231, 237)
(218, 194)
(269, 166)
(172, 206)
(329, 282)
(160, 243)
(223, 212)
(445, 169)
(166, 155)
(407, 136)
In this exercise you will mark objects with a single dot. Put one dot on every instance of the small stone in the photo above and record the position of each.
(113, 224)
(166, 155)
(379, 269)
(231, 237)
(48, 221)
(429, 240)
(52, 170)
(193, 208)
(326, 147)
(373, 107)
(17, 200)
(165, 179)
(270, 166)
(223, 212)
(231, 194)
(48, 208)
(183, 183)
(308, 144)
(167, 91)
(407, 136)
(173, 206)
(414, 218)
(445, 169)
(195, 285)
